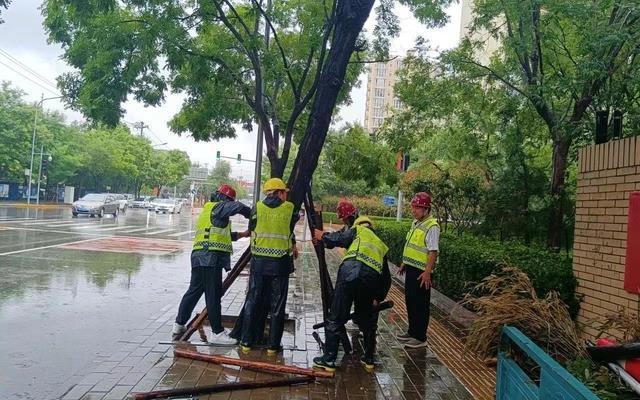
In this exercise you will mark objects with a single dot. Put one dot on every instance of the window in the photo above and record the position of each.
(378, 112)
(378, 92)
(380, 82)
(377, 122)
(377, 102)
(397, 103)
(381, 71)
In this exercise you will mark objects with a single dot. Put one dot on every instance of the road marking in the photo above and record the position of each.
(181, 233)
(47, 247)
(160, 231)
(115, 228)
(97, 225)
(17, 219)
(136, 230)
(43, 222)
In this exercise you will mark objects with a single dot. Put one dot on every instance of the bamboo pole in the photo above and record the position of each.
(254, 365)
(221, 387)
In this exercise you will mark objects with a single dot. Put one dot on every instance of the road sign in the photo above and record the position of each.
(389, 201)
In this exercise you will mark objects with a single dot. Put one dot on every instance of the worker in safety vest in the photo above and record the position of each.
(418, 260)
(273, 249)
(363, 280)
(211, 253)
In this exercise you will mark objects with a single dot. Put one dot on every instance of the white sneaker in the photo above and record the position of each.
(223, 339)
(178, 329)
(415, 344)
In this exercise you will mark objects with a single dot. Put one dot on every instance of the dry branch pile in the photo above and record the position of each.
(508, 298)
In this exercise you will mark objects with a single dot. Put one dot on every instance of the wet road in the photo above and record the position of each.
(71, 288)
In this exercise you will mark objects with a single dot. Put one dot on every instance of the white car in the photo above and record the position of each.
(123, 203)
(172, 206)
(142, 202)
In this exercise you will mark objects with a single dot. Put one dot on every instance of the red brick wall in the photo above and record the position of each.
(607, 174)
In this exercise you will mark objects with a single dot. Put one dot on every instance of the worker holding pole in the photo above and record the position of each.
(273, 250)
(363, 280)
(418, 260)
(211, 253)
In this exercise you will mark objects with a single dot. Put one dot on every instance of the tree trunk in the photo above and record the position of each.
(561, 147)
(350, 18)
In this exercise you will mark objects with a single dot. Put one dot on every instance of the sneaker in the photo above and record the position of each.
(245, 348)
(367, 363)
(178, 330)
(404, 337)
(273, 350)
(415, 344)
(223, 339)
(320, 363)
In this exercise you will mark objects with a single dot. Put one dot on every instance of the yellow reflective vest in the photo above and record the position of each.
(367, 248)
(272, 236)
(415, 251)
(209, 237)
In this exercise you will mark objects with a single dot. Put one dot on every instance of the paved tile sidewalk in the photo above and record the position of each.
(142, 364)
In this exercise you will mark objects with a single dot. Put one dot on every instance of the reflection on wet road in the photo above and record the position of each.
(70, 288)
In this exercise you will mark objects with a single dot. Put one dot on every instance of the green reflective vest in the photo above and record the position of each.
(415, 251)
(208, 237)
(367, 248)
(272, 236)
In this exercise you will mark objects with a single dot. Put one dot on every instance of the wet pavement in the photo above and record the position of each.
(142, 364)
(82, 312)
(71, 288)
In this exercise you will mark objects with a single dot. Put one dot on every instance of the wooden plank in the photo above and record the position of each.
(253, 365)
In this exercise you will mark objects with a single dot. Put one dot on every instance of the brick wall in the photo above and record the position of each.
(607, 174)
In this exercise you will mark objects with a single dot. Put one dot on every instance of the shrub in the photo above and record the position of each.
(466, 260)
(371, 206)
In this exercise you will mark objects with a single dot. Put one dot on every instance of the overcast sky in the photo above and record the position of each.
(22, 37)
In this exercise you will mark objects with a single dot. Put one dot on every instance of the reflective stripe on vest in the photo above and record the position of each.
(415, 251)
(209, 237)
(367, 248)
(272, 234)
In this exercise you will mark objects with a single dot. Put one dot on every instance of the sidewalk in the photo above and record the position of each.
(143, 365)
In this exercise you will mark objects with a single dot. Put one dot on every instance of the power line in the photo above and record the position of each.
(27, 68)
(29, 79)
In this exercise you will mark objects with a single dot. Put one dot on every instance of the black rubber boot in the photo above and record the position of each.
(323, 363)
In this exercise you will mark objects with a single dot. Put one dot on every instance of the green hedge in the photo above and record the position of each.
(333, 217)
(465, 260)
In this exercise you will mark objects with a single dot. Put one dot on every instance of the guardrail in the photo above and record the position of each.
(554, 382)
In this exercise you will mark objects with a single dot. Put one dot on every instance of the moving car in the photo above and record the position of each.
(142, 202)
(167, 206)
(94, 204)
(123, 203)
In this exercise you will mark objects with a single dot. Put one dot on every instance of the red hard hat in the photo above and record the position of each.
(227, 191)
(346, 209)
(421, 199)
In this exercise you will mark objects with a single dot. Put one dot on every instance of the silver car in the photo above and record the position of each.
(172, 206)
(96, 204)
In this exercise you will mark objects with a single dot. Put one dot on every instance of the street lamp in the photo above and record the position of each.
(33, 144)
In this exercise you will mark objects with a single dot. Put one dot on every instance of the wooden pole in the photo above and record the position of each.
(221, 387)
(254, 365)
(198, 320)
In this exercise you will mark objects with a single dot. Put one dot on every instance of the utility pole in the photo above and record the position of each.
(140, 126)
(40, 173)
(33, 147)
(258, 170)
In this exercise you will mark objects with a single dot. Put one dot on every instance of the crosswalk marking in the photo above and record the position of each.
(115, 228)
(158, 232)
(16, 219)
(96, 225)
(181, 233)
(136, 230)
(43, 222)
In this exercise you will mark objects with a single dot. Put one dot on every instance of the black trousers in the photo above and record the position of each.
(417, 300)
(348, 292)
(207, 280)
(265, 290)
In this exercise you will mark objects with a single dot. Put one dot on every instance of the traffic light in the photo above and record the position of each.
(239, 158)
(218, 155)
(45, 166)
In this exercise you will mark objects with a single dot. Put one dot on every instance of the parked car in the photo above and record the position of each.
(167, 206)
(123, 203)
(96, 204)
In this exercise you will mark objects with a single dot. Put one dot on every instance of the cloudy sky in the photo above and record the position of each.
(22, 38)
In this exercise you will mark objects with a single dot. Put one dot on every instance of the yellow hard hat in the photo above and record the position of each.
(363, 220)
(274, 184)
